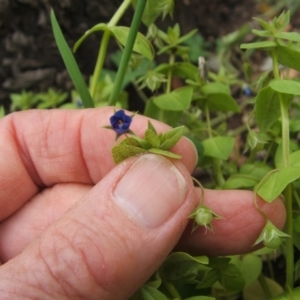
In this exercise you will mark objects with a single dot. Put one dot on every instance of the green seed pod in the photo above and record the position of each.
(203, 217)
(271, 236)
(274, 243)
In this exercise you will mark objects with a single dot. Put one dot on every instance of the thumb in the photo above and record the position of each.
(110, 242)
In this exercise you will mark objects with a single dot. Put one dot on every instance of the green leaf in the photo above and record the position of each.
(218, 147)
(240, 181)
(285, 86)
(258, 170)
(259, 45)
(262, 33)
(255, 290)
(180, 265)
(164, 153)
(181, 69)
(294, 294)
(177, 100)
(171, 137)
(288, 57)
(276, 181)
(98, 27)
(71, 64)
(232, 278)
(141, 45)
(151, 127)
(154, 8)
(151, 138)
(250, 265)
(267, 108)
(150, 293)
(122, 151)
(265, 25)
(210, 277)
(294, 159)
(218, 98)
(290, 36)
(215, 88)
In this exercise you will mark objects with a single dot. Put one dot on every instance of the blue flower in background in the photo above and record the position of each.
(247, 91)
(120, 122)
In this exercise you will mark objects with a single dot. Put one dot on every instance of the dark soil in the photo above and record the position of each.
(29, 56)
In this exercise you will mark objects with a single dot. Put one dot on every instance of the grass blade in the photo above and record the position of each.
(71, 64)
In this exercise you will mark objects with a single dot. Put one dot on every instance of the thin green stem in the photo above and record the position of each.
(289, 241)
(216, 162)
(104, 45)
(127, 51)
(264, 285)
(285, 130)
(171, 289)
(119, 13)
(170, 74)
(99, 62)
(289, 189)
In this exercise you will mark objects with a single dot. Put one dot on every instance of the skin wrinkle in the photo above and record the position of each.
(82, 152)
(59, 276)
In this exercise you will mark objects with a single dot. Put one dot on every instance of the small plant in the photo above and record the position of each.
(192, 104)
(199, 107)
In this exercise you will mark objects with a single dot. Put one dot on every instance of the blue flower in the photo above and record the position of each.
(120, 122)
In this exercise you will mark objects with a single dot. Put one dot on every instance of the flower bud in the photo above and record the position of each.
(203, 216)
(271, 236)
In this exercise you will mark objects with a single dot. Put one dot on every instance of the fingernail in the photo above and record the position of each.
(151, 190)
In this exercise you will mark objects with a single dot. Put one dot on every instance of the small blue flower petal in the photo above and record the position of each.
(247, 91)
(120, 122)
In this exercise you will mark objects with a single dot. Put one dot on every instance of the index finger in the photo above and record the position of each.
(42, 148)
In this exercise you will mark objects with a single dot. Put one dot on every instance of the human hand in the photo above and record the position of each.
(75, 226)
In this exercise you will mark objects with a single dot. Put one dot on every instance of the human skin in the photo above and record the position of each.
(65, 233)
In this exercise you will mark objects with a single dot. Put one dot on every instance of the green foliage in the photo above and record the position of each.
(198, 102)
(152, 143)
(70, 63)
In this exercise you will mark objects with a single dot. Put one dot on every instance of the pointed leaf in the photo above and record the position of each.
(151, 138)
(262, 33)
(164, 153)
(240, 181)
(170, 138)
(259, 45)
(285, 86)
(218, 147)
(265, 25)
(290, 36)
(141, 45)
(275, 182)
(177, 100)
(71, 64)
(150, 293)
(289, 57)
(151, 127)
(267, 108)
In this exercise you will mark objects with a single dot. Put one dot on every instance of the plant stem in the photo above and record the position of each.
(264, 285)
(289, 241)
(288, 190)
(127, 51)
(171, 289)
(104, 45)
(170, 74)
(216, 162)
(100, 62)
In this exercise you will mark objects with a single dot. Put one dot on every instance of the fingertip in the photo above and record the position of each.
(239, 227)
